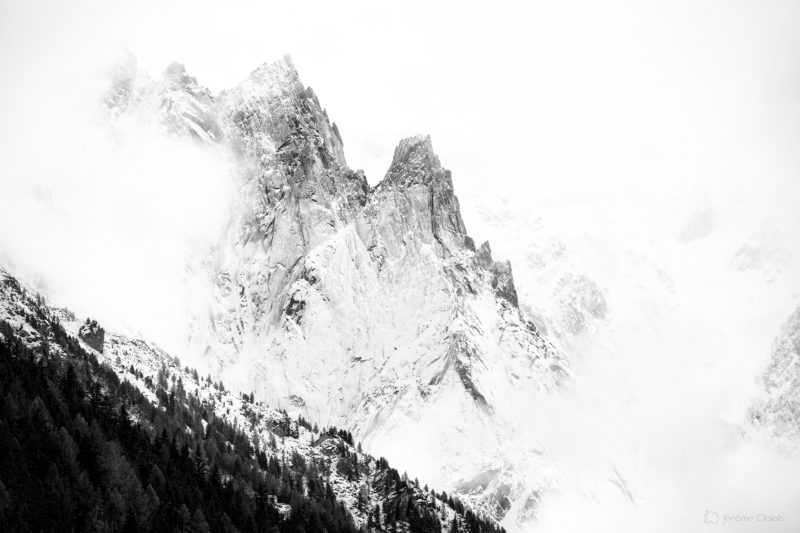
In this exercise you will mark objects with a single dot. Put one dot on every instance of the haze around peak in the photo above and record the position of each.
(665, 94)
(624, 125)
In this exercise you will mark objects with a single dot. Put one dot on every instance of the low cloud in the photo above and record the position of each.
(103, 214)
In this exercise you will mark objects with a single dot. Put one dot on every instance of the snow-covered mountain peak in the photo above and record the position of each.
(415, 162)
(273, 118)
(278, 76)
(365, 308)
(416, 199)
(174, 102)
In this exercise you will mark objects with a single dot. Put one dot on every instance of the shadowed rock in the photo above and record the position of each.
(93, 334)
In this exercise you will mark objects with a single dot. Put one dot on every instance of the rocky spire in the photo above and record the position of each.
(502, 279)
(279, 76)
(273, 103)
(415, 162)
(416, 172)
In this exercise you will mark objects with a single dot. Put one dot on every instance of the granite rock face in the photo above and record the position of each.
(364, 307)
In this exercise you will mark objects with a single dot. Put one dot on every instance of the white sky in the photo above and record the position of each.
(511, 91)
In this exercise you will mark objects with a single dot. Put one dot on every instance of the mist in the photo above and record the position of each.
(102, 214)
(653, 431)
(654, 140)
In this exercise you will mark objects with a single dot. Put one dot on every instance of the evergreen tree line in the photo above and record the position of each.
(72, 460)
(402, 501)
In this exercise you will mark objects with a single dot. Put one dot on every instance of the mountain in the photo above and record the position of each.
(113, 434)
(368, 308)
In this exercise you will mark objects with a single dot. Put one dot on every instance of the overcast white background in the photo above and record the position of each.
(612, 121)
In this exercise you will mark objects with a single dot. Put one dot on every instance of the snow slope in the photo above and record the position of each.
(145, 366)
(368, 308)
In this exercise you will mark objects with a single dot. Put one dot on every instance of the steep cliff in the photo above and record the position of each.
(367, 308)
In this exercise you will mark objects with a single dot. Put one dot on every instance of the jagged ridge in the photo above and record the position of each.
(372, 302)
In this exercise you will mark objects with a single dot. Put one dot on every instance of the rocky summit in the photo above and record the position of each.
(365, 307)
